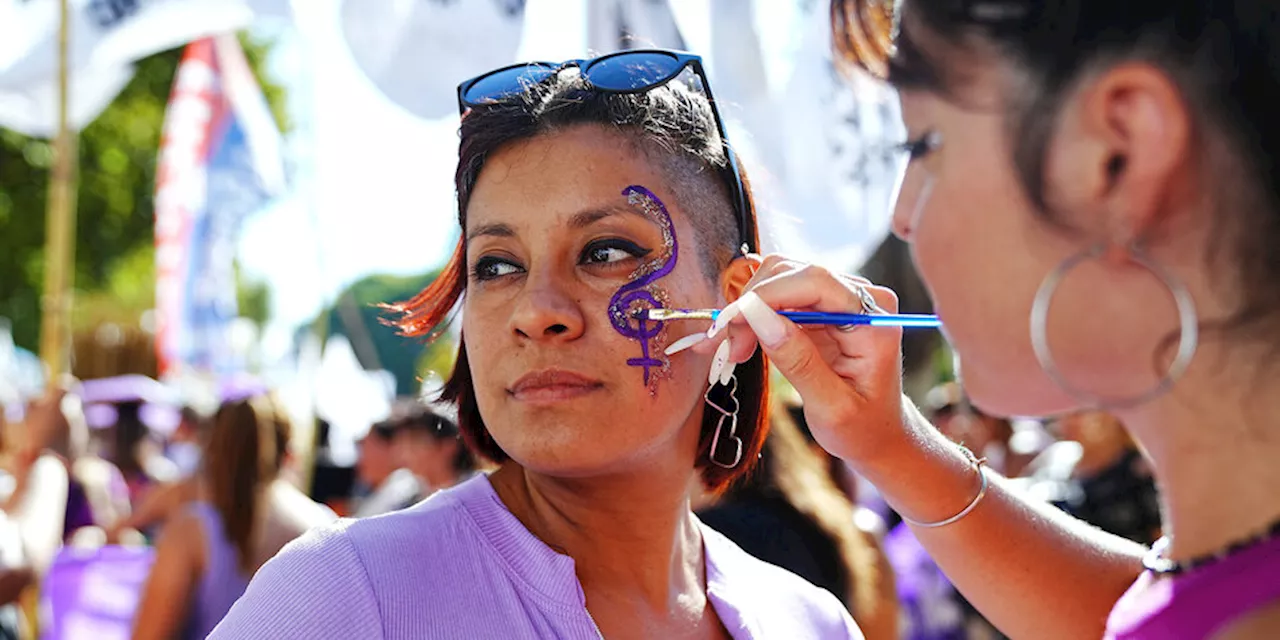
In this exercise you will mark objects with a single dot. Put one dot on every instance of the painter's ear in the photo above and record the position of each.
(735, 278)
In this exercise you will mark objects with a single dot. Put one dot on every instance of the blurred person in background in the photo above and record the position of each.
(333, 484)
(430, 446)
(788, 512)
(16, 572)
(183, 447)
(210, 548)
(136, 452)
(986, 435)
(37, 501)
(97, 495)
(16, 575)
(1096, 473)
(386, 483)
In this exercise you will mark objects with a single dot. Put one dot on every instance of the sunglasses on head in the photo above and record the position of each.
(634, 71)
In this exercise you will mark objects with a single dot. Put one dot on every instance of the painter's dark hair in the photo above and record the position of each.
(1223, 55)
(674, 127)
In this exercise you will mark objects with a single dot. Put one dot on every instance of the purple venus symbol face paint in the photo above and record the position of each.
(642, 292)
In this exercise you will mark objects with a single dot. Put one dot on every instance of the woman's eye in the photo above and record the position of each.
(490, 268)
(608, 251)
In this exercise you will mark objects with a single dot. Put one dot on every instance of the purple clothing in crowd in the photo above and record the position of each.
(79, 513)
(460, 565)
(1202, 602)
(222, 583)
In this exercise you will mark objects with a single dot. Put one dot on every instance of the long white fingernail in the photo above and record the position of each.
(723, 319)
(765, 322)
(718, 362)
(685, 343)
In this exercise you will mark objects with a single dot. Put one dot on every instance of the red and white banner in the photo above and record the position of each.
(219, 162)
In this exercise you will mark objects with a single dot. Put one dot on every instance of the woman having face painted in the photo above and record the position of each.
(587, 192)
(1093, 202)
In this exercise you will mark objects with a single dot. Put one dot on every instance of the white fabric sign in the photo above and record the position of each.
(417, 51)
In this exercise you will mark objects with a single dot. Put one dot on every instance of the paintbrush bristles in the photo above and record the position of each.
(677, 314)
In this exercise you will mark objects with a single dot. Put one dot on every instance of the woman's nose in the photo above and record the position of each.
(912, 199)
(547, 310)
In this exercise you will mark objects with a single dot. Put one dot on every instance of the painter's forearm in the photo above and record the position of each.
(1032, 570)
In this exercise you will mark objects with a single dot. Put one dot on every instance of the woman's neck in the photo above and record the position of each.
(1214, 442)
(632, 537)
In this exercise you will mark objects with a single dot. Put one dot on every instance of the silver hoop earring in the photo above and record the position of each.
(725, 462)
(1188, 336)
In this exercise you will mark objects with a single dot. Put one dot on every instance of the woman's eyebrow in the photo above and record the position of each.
(588, 217)
(498, 229)
(579, 220)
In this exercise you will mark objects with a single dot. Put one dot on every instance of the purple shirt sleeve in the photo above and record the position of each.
(316, 587)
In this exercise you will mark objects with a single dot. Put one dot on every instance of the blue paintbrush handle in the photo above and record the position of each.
(907, 320)
(875, 320)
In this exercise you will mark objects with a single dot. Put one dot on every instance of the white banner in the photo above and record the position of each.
(33, 110)
(417, 51)
(107, 33)
(840, 172)
(613, 25)
(105, 38)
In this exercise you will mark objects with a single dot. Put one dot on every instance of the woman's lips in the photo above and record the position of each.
(552, 385)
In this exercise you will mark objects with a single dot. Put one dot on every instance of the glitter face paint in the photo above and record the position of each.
(642, 292)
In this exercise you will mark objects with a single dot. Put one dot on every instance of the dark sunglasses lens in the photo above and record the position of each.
(502, 84)
(632, 71)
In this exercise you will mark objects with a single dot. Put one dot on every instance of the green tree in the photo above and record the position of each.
(357, 316)
(117, 162)
(253, 297)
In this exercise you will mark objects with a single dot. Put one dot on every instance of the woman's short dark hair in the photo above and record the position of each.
(672, 126)
(1223, 55)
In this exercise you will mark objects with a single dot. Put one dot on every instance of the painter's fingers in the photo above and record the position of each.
(848, 379)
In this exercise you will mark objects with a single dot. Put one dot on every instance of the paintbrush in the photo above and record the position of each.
(907, 320)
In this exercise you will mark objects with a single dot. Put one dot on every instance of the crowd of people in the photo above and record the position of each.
(220, 506)
(602, 471)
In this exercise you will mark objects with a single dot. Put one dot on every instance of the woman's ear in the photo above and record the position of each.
(735, 278)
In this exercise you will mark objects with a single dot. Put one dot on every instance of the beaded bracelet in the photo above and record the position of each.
(980, 465)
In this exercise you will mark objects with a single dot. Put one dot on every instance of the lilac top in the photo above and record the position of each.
(1200, 603)
(222, 581)
(460, 565)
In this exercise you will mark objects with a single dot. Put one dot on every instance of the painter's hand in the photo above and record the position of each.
(850, 379)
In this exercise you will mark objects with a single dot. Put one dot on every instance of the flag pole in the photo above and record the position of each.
(60, 223)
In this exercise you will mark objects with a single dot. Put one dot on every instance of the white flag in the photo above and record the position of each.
(33, 110)
(107, 33)
(614, 25)
(105, 38)
(840, 172)
(417, 51)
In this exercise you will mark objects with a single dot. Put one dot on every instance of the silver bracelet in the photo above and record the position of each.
(980, 465)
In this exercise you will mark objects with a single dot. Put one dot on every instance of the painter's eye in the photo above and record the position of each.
(490, 267)
(917, 148)
(611, 250)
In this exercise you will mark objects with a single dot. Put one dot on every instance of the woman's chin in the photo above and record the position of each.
(576, 455)
(1007, 395)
